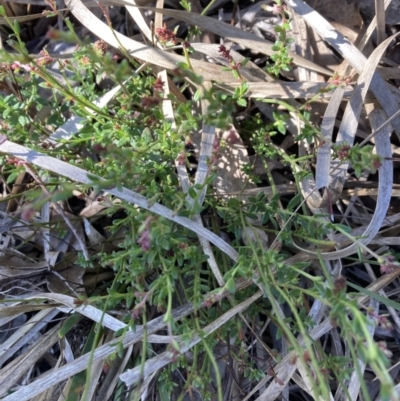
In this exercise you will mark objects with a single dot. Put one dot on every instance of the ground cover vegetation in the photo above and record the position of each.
(197, 209)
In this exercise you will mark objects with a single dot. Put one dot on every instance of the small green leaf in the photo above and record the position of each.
(192, 193)
(242, 102)
(184, 66)
(275, 198)
(70, 323)
(197, 208)
(230, 285)
(23, 120)
(6, 113)
(252, 216)
(198, 187)
(357, 170)
(238, 233)
(265, 218)
(197, 95)
(294, 202)
(12, 177)
(234, 203)
(244, 62)
(281, 128)
(16, 27)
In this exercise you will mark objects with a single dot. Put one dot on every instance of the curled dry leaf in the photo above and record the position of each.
(16, 267)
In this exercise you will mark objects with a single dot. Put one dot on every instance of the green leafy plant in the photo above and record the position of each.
(359, 157)
(281, 59)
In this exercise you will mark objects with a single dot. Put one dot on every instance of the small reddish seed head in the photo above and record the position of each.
(225, 53)
(388, 268)
(28, 214)
(135, 314)
(181, 159)
(101, 47)
(53, 34)
(144, 240)
(158, 84)
(339, 285)
(85, 60)
(307, 357)
(343, 152)
(376, 162)
(149, 101)
(166, 35)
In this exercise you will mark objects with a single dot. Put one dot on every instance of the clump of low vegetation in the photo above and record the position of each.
(184, 220)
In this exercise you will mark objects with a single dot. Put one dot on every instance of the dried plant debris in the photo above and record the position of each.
(199, 200)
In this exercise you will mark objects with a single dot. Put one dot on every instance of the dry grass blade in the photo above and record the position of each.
(9, 312)
(22, 18)
(285, 90)
(138, 18)
(308, 385)
(303, 48)
(380, 21)
(29, 2)
(206, 148)
(89, 311)
(324, 156)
